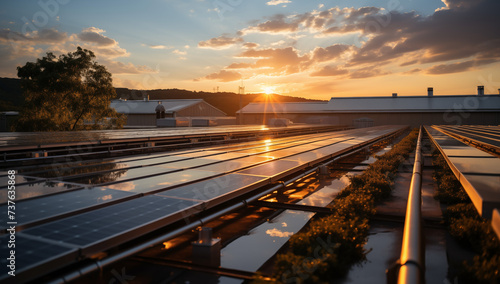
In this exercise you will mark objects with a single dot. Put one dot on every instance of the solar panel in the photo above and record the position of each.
(477, 165)
(37, 209)
(190, 163)
(225, 167)
(305, 158)
(275, 169)
(109, 226)
(119, 175)
(218, 189)
(38, 189)
(34, 257)
(160, 182)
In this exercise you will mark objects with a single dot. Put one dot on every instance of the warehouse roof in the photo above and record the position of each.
(467, 103)
(149, 107)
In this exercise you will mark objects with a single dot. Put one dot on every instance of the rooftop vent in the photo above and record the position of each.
(394, 95)
(430, 92)
(480, 90)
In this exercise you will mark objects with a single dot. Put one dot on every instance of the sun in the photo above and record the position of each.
(268, 90)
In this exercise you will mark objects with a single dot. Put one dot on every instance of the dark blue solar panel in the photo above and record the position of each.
(108, 223)
(30, 252)
(37, 209)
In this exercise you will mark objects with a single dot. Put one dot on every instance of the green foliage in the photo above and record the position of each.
(71, 92)
(331, 245)
(482, 270)
(449, 190)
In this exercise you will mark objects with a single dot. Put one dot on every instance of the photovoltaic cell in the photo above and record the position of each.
(37, 209)
(31, 252)
(109, 226)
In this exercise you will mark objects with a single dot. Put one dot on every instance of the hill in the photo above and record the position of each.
(225, 101)
(11, 96)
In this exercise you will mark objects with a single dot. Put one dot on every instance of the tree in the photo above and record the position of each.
(71, 92)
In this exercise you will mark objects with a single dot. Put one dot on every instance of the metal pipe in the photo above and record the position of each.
(412, 265)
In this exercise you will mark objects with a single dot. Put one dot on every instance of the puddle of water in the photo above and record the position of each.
(385, 246)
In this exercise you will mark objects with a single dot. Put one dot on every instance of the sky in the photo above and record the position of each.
(312, 49)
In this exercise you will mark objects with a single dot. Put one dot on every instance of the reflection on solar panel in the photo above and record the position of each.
(109, 226)
(38, 189)
(161, 182)
(215, 188)
(32, 210)
(275, 169)
(119, 175)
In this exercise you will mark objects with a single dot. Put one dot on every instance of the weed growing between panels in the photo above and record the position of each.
(467, 227)
(331, 245)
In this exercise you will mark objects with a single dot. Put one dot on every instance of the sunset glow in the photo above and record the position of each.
(300, 48)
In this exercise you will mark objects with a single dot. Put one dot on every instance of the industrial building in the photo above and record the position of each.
(374, 111)
(146, 112)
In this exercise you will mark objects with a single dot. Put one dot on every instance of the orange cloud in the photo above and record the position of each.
(220, 42)
(224, 76)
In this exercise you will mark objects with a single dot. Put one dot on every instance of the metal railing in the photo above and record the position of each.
(412, 259)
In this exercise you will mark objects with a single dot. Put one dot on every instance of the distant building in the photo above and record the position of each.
(146, 112)
(7, 118)
(372, 111)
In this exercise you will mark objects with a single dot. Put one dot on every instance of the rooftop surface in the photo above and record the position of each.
(386, 104)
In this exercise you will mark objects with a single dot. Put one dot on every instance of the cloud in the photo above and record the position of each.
(220, 42)
(250, 45)
(321, 54)
(412, 71)
(451, 68)
(367, 73)
(239, 66)
(94, 35)
(117, 67)
(157, 46)
(460, 32)
(42, 36)
(278, 2)
(179, 52)
(277, 24)
(224, 76)
(277, 61)
(330, 71)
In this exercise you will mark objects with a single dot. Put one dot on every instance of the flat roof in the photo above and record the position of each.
(469, 103)
(148, 107)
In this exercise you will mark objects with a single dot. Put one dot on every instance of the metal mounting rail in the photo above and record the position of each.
(412, 264)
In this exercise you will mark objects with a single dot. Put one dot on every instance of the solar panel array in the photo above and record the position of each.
(478, 171)
(107, 208)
